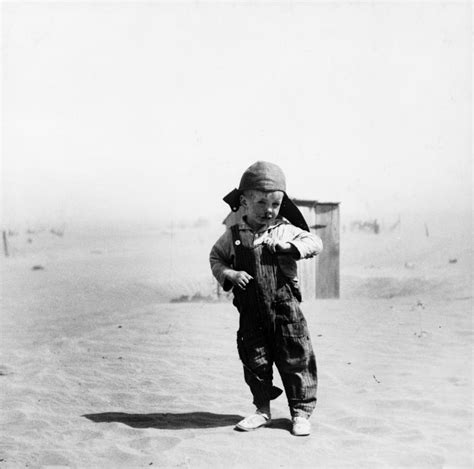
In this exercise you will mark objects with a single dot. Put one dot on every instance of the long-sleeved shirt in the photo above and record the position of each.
(222, 253)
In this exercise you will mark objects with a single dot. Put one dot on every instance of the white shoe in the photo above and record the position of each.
(301, 426)
(252, 422)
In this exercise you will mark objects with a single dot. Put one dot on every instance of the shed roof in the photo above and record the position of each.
(312, 203)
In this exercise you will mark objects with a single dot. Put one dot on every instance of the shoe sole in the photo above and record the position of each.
(248, 429)
(301, 434)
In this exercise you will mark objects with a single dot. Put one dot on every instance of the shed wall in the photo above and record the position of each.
(328, 262)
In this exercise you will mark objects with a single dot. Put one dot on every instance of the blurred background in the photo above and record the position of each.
(127, 114)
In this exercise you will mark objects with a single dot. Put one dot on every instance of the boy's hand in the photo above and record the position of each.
(278, 246)
(239, 278)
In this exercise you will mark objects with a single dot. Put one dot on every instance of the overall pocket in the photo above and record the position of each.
(288, 311)
(294, 330)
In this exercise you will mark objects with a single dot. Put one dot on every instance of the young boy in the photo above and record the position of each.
(257, 258)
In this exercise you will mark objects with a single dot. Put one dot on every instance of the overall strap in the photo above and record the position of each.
(244, 257)
(256, 300)
(247, 301)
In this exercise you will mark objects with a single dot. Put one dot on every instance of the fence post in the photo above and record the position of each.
(5, 243)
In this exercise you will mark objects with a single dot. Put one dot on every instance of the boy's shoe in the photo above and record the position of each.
(301, 426)
(252, 422)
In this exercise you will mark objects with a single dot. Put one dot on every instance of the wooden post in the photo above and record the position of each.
(327, 263)
(5, 243)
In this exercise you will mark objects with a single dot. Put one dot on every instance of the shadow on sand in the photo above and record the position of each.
(281, 424)
(167, 421)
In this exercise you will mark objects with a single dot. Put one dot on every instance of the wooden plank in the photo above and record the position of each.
(327, 264)
(307, 267)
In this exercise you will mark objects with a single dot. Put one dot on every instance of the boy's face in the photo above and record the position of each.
(261, 208)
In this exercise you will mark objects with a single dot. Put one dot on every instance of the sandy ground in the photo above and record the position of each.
(99, 369)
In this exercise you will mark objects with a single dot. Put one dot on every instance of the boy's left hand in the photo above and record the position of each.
(278, 246)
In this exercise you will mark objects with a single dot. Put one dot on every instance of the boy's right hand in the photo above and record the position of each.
(239, 278)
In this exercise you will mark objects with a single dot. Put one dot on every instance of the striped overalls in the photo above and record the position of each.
(272, 329)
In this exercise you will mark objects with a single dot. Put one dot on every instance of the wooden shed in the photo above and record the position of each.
(319, 276)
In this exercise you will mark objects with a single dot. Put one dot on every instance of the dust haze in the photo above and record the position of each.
(126, 114)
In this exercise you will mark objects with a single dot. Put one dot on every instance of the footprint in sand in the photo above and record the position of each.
(365, 425)
(458, 381)
(406, 404)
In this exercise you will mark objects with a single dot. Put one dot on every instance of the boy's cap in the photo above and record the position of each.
(263, 176)
(267, 177)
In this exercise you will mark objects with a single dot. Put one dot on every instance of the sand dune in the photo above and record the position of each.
(98, 369)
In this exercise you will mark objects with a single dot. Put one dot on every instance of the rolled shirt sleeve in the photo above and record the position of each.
(307, 244)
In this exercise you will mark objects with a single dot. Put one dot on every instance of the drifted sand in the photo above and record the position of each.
(98, 369)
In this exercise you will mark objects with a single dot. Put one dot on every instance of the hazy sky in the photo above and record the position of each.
(153, 110)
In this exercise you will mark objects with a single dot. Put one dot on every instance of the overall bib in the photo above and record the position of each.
(272, 329)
